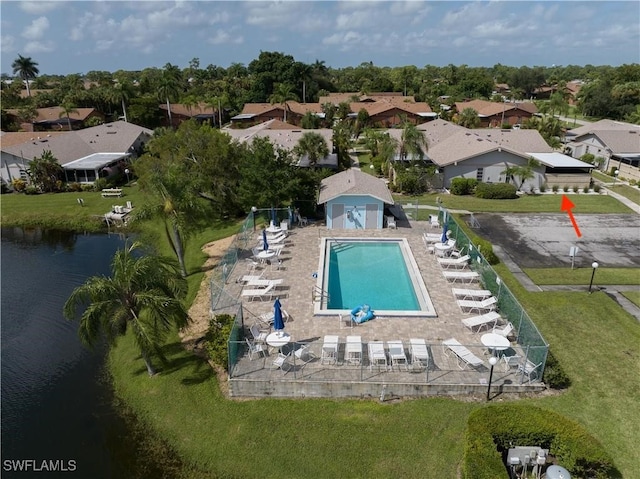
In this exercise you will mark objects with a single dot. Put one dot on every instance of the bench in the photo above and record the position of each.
(110, 192)
(464, 356)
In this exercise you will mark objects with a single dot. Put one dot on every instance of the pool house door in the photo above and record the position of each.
(371, 222)
(337, 216)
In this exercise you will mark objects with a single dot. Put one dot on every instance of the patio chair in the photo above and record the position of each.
(476, 294)
(255, 349)
(391, 222)
(377, 355)
(304, 355)
(259, 282)
(530, 370)
(433, 221)
(280, 362)
(418, 352)
(511, 361)
(506, 331)
(461, 276)
(460, 262)
(463, 355)
(259, 334)
(397, 354)
(260, 293)
(482, 320)
(468, 306)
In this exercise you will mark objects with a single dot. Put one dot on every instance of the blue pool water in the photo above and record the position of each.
(374, 273)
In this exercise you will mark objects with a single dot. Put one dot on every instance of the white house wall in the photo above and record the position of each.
(357, 212)
(493, 165)
(590, 144)
(12, 166)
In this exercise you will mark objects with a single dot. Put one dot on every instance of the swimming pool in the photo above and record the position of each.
(379, 272)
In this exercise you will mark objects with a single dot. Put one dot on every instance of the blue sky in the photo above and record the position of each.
(77, 37)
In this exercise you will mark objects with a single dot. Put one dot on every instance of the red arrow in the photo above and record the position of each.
(567, 205)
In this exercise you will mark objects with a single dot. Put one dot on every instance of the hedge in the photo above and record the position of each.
(462, 186)
(496, 428)
(496, 191)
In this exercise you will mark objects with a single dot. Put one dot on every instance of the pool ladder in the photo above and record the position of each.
(319, 294)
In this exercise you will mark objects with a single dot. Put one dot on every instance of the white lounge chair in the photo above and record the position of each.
(377, 354)
(464, 356)
(468, 305)
(482, 320)
(353, 350)
(460, 262)
(329, 350)
(461, 276)
(397, 354)
(418, 352)
(260, 293)
(477, 294)
(506, 331)
(259, 282)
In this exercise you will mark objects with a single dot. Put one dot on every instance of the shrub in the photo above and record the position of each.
(87, 187)
(493, 429)
(463, 186)
(596, 188)
(566, 188)
(496, 191)
(31, 190)
(586, 189)
(555, 188)
(217, 339)
(554, 376)
(75, 186)
(100, 184)
(486, 249)
(543, 188)
(588, 158)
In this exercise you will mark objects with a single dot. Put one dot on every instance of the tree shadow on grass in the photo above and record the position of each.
(178, 359)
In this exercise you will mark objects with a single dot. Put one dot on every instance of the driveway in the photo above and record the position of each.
(544, 240)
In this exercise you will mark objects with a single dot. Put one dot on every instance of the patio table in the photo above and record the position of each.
(495, 342)
(278, 339)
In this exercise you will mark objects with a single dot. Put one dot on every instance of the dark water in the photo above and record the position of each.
(56, 404)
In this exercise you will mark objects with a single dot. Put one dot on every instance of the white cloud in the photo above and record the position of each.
(346, 39)
(86, 23)
(39, 47)
(276, 14)
(222, 37)
(7, 44)
(36, 29)
(38, 8)
(407, 7)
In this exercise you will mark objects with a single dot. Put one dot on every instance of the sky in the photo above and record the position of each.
(66, 37)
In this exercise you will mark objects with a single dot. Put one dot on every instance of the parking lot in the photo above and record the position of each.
(544, 240)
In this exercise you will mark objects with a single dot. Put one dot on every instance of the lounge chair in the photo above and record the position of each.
(460, 262)
(419, 353)
(397, 354)
(464, 356)
(260, 293)
(329, 350)
(468, 305)
(461, 276)
(477, 294)
(353, 350)
(377, 355)
(481, 321)
(259, 282)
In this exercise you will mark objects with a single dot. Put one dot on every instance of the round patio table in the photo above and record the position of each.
(442, 249)
(278, 339)
(265, 255)
(273, 229)
(495, 342)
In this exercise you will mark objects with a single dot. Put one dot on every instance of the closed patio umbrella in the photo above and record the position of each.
(444, 233)
(265, 244)
(278, 323)
(274, 217)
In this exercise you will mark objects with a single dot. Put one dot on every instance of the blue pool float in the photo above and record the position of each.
(361, 313)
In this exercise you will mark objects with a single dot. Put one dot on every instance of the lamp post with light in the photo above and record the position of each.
(126, 172)
(492, 361)
(594, 265)
(615, 176)
(253, 214)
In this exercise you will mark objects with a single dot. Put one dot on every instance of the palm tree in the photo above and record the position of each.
(169, 86)
(469, 118)
(143, 293)
(412, 142)
(26, 68)
(67, 109)
(313, 145)
(122, 92)
(282, 94)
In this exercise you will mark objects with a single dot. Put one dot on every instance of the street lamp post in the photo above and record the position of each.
(594, 265)
(253, 214)
(492, 361)
(126, 172)
(615, 176)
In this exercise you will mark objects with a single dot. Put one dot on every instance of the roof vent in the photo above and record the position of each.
(111, 132)
(109, 126)
(632, 131)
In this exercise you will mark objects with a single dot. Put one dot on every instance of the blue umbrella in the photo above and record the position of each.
(265, 244)
(274, 217)
(278, 323)
(444, 233)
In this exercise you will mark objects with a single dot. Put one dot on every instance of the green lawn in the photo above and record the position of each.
(630, 192)
(582, 276)
(633, 296)
(526, 204)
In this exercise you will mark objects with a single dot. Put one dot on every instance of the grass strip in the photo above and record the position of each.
(582, 276)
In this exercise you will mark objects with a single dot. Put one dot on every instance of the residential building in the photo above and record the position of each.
(494, 114)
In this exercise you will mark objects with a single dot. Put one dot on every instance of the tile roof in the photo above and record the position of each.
(490, 108)
(53, 113)
(10, 138)
(620, 141)
(603, 125)
(198, 109)
(354, 182)
(464, 145)
(519, 140)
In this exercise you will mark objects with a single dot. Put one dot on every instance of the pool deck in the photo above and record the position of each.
(300, 259)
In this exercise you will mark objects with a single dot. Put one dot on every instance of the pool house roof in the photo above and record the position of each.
(354, 182)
